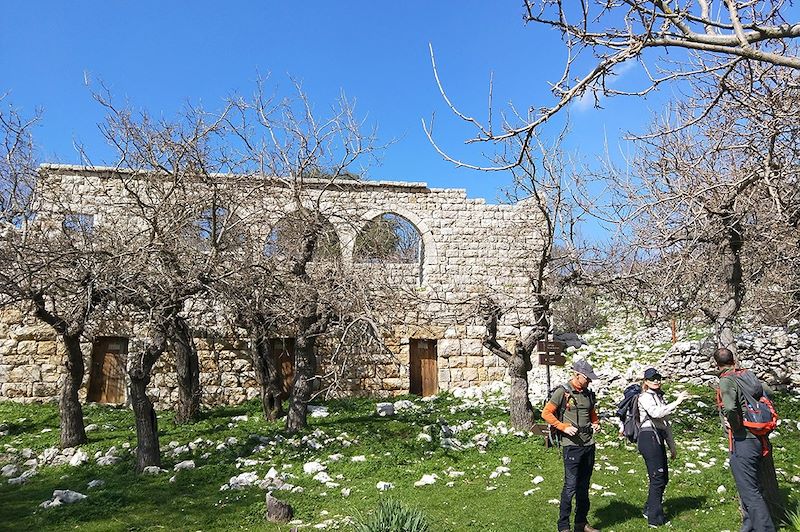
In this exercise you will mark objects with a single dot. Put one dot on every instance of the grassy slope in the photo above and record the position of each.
(194, 502)
(393, 454)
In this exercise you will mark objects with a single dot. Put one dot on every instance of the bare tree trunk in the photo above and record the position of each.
(305, 363)
(70, 410)
(148, 452)
(267, 376)
(734, 281)
(187, 368)
(519, 401)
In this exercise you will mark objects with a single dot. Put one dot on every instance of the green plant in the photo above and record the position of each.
(793, 520)
(392, 516)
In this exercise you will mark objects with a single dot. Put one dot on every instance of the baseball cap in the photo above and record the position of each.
(652, 374)
(581, 366)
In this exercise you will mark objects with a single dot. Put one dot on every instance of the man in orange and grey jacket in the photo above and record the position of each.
(571, 410)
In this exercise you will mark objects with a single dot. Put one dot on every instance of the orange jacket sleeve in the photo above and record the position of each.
(549, 415)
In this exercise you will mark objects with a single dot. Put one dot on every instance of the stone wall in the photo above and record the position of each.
(773, 353)
(471, 248)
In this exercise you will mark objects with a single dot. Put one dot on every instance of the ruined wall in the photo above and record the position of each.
(471, 248)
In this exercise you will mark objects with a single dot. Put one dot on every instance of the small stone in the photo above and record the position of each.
(186, 464)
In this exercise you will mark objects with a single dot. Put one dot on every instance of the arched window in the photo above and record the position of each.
(389, 238)
(287, 236)
(217, 227)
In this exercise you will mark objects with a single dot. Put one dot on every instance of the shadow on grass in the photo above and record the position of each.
(618, 512)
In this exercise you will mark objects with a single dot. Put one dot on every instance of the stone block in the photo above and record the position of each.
(444, 376)
(46, 348)
(448, 348)
(457, 362)
(45, 389)
(474, 361)
(472, 347)
(27, 348)
(470, 374)
(393, 384)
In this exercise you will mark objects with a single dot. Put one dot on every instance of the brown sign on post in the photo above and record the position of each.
(550, 352)
(552, 359)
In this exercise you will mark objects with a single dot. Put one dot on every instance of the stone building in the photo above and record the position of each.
(463, 249)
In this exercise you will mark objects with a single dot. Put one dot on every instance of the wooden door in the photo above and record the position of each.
(283, 352)
(424, 370)
(107, 374)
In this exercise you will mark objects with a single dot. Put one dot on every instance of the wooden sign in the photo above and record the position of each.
(550, 353)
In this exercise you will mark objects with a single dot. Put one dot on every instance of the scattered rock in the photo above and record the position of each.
(384, 486)
(96, 484)
(384, 409)
(63, 497)
(186, 464)
(9, 470)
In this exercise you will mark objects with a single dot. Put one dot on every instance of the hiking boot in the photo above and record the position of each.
(585, 527)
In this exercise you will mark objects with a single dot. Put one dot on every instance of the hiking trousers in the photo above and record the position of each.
(578, 467)
(745, 460)
(652, 448)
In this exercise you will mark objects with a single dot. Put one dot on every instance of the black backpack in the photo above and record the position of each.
(628, 412)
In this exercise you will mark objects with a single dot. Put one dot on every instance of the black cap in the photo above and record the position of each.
(652, 374)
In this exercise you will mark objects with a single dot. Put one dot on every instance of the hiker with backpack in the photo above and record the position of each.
(571, 413)
(748, 416)
(654, 437)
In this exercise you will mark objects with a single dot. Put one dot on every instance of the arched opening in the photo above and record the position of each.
(389, 238)
(287, 236)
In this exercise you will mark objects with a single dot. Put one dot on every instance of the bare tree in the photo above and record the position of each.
(49, 262)
(669, 40)
(177, 219)
(547, 186)
(712, 204)
(292, 147)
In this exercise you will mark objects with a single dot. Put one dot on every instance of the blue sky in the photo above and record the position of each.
(159, 55)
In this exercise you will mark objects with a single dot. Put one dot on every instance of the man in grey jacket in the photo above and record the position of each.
(745, 447)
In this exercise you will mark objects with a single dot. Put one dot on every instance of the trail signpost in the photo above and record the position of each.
(551, 354)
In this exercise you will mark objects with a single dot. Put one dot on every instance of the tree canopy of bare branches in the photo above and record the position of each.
(670, 40)
(713, 204)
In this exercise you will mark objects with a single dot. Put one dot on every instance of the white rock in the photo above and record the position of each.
(9, 470)
(383, 486)
(721, 489)
(96, 484)
(78, 458)
(403, 404)
(358, 458)
(505, 460)
(384, 409)
(424, 437)
(538, 479)
(345, 492)
(90, 428)
(597, 487)
(186, 464)
(151, 470)
(322, 477)
(318, 411)
(244, 480)
(237, 419)
(426, 480)
(63, 497)
(272, 473)
(107, 460)
(313, 467)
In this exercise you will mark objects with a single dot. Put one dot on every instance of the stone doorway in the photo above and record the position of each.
(107, 373)
(423, 367)
(283, 353)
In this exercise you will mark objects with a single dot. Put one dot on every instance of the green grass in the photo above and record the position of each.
(129, 502)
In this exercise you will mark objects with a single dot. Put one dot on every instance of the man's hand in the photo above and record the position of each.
(596, 427)
(572, 430)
